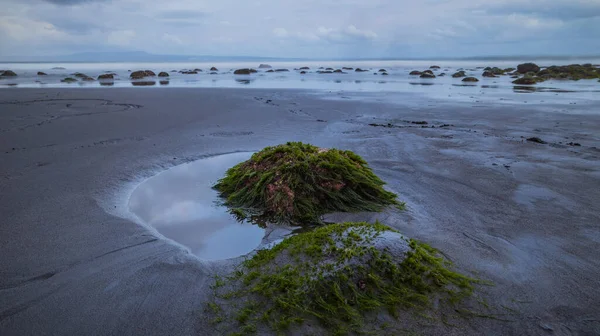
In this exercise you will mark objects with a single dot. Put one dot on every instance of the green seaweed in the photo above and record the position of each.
(321, 283)
(297, 183)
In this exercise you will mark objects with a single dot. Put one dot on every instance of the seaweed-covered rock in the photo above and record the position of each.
(509, 69)
(427, 72)
(79, 75)
(40, 73)
(163, 74)
(470, 79)
(571, 72)
(106, 76)
(360, 70)
(298, 183)
(139, 74)
(68, 80)
(87, 79)
(527, 67)
(335, 277)
(214, 69)
(415, 73)
(264, 66)
(488, 74)
(244, 71)
(427, 75)
(459, 74)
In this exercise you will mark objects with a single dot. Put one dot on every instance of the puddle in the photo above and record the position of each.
(181, 204)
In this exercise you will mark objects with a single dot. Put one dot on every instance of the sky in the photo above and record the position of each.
(302, 28)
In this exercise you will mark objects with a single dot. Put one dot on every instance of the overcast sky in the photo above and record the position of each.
(302, 28)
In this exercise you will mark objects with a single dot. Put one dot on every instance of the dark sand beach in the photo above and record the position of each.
(521, 214)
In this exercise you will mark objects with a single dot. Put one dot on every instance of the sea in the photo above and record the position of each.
(397, 79)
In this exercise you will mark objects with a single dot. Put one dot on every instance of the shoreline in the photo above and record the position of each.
(526, 223)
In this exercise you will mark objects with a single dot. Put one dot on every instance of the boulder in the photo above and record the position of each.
(213, 73)
(338, 71)
(282, 70)
(271, 70)
(347, 68)
(68, 80)
(509, 69)
(164, 82)
(329, 69)
(360, 70)
(385, 74)
(427, 72)
(442, 74)
(163, 74)
(144, 83)
(87, 79)
(42, 73)
(324, 72)
(264, 66)
(427, 75)
(198, 70)
(106, 76)
(141, 74)
(459, 74)
(382, 70)
(470, 79)
(488, 74)
(304, 68)
(528, 67)
(302, 72)
(245, 71)
(415, 73)
(434, 67)
(190, 72)
(214, 69)
(79, 75)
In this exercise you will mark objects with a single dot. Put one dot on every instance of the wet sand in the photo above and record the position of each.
(74, 261)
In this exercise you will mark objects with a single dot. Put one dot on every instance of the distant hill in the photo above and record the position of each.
(137, 56)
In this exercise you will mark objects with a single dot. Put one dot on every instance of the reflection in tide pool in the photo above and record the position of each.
(181, 204)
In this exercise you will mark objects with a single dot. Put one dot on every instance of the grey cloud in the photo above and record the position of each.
(551, 9)
(71, 2)
(182, 14)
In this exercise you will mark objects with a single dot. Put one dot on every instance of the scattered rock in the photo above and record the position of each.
(282, 70)
(360, 70)
(434, 67)
(442, 74)
(68, 80)
(164, 82)
(141, 74)
(525, 81)
(328, 69)
(571, 72)
(163, 74)
(214, 69)
(302, 72)
(415, 73)
(213, 73)
(263, 66)
(470, 79)
(419, 122)
(384, 74)
(324, 72)
(488, 74)
(305, 68)
(528, 67)
(271, 70)
(42, 73)
(245, 71)
(459, 74)
(427, 72)
(574, 144)
(427, 75)
(382, 70)
(347, 68)
(143, 83)
(189, 72)
(338, 71)
(198, 70)
(87, 79)
(537, 140)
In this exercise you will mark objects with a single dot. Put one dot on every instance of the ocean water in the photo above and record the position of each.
(398, 79)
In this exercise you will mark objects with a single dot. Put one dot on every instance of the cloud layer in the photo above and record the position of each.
(310, 28)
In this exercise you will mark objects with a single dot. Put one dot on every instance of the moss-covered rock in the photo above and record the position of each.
(163, 74)
(68, 80)
(427, 75)
(571, 72)
(488, 74)
(415, 73)
(459, 74)
(340, 278)
(527, 80)
(297, 183)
